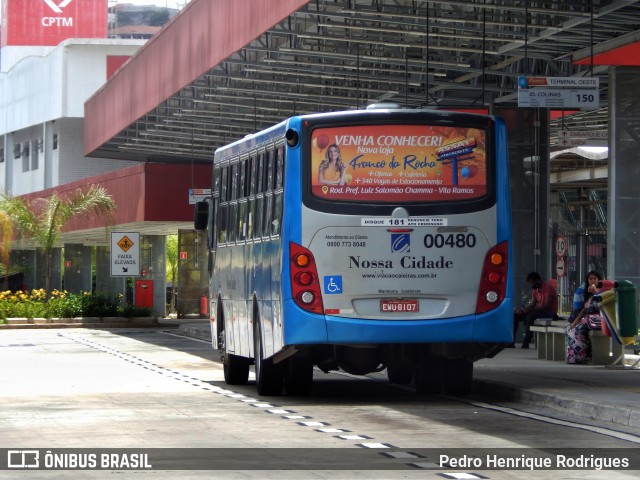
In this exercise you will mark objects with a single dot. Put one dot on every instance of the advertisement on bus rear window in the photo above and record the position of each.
(398, 163)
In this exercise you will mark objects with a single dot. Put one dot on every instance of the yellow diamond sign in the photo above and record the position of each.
(125, 243)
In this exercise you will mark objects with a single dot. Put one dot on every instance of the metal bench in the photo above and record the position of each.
(550, 341)
(551, 345)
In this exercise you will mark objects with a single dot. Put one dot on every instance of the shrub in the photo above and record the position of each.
(62, 304)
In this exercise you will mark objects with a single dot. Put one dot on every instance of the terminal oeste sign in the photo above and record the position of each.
(125, 254)
(559, 92)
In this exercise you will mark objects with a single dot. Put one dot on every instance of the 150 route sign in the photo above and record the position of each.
(559, 92)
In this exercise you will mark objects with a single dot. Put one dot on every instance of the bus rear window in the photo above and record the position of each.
(398, 163)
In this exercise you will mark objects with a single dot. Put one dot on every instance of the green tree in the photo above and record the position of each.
(172, 267)
(41, 219)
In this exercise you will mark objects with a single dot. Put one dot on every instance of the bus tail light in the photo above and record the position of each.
(493, 283)
(304, 279)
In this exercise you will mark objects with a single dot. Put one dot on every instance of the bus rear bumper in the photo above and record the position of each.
(495, 326)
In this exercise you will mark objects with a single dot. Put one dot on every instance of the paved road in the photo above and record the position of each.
(104, 389)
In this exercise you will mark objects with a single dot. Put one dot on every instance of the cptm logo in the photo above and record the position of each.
(57, 21)
(57, 7)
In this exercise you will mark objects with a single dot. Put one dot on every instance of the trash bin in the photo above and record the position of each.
(606, 302)
(627, 308)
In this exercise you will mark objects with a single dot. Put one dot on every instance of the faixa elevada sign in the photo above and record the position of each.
(125, 254)
(49, 22)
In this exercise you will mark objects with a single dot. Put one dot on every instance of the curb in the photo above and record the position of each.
(135, 322)
(609, 413)
(199, 331)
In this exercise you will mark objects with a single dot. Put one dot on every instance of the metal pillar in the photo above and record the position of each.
(623, 231)
(528, 139)
(193, 280)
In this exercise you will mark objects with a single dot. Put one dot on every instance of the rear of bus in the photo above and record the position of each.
(406, 254)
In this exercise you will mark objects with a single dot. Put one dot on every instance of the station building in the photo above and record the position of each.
(51, 63)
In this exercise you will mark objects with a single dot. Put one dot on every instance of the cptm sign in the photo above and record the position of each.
(49, 22)
(57, 21)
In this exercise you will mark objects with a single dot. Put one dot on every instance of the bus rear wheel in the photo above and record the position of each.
(429, 375)
(298, 376)
(268, 375)
(235, 368)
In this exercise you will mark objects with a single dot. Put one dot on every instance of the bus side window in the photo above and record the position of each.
(223, 211)
(252, 176)
(279, 167)
(223, 184)
(242, 221)
(242, 187)
(251, 220)
(270, 173)
(233, 218)
(259, 215)
(276, 222)
(233, 182)
(268, 212)
(260, 173)
(216, 180)
(212, 232)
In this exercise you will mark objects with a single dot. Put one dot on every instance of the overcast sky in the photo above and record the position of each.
(157, 3)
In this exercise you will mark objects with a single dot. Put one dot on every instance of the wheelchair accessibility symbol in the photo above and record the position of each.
(333, 284)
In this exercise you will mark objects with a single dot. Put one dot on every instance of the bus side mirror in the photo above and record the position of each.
(201, 215)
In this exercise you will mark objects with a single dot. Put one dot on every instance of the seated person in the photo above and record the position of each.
(588, 318)
(581, 295)
(543, 304)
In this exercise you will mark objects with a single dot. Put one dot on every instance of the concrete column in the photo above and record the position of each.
(193, 279)
(3, 160)
(105, 283)
(56, 269)
(77, 268)
(153, 267)
(8, 167)
(26, 260)
(50, 170)
(623, 235)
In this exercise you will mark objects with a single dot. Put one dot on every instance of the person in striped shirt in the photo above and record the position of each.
(581, 295)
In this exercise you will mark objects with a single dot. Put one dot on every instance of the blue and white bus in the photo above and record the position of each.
(360, 241)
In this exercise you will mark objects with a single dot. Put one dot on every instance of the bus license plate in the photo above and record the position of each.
(399, 305)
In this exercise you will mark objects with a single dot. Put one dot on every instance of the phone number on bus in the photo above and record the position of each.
(346, 244)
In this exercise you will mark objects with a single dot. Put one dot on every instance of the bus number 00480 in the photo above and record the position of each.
(459, 240)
